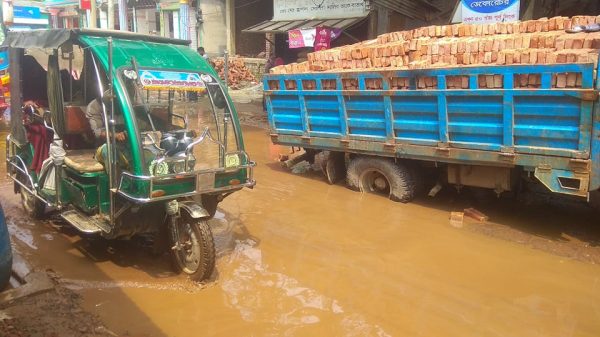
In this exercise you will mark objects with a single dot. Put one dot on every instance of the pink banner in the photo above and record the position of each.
(322, 38)
(295, 39)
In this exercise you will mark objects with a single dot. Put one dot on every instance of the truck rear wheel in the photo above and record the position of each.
(381, 176)
(333, 166)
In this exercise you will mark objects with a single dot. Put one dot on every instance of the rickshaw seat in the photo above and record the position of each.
(83, 161)
(75, 120)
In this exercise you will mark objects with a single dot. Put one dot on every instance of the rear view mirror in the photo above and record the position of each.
(218, 97)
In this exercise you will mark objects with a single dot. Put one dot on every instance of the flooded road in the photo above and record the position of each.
(298, 257)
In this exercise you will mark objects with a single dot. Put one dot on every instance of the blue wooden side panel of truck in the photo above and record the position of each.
(552, 132)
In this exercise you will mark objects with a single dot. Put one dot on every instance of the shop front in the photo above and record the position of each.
(300, 26)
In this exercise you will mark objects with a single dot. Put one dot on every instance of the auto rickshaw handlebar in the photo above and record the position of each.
(200, 139)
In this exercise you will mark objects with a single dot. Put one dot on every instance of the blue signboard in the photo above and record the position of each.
(489, 6)
(27, 12)
(487, 11)
(4, 59)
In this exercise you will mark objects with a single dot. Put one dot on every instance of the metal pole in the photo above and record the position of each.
(93, 17)
(199, 21)
(111, 127)
(226, 70)
(123, 15)
(184, 20)
(110, 13)
(135, 29)
(3, 32)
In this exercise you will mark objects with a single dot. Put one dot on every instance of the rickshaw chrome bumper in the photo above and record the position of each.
(200, 183)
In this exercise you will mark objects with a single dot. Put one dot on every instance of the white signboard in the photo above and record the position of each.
(318, 9)
(489, 11)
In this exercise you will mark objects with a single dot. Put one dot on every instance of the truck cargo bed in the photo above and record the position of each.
(539, 126)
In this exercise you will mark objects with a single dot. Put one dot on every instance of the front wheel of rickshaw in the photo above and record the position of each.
(193, 251)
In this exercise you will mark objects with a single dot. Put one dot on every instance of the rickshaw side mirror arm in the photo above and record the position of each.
(107, 98)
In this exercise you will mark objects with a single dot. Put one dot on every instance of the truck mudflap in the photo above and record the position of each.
(564, 181)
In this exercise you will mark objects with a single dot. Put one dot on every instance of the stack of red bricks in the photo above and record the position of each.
(543, 41)
(238, 73)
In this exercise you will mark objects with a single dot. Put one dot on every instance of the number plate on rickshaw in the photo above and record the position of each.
(205, 181)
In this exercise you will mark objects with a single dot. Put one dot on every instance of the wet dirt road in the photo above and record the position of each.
(298, 257)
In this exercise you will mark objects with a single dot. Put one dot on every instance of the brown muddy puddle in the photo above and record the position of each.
(298, 257)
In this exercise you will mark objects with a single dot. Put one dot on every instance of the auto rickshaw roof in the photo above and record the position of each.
(149, 50)
(54, 38)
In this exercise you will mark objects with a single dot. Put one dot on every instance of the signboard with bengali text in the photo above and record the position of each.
(489, 11)
(171, 80)
(318, 9)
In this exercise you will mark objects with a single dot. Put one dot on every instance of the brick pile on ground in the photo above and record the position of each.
(542, 41)
(239, 74)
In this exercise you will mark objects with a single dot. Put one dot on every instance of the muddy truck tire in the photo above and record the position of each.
(381, 176)
(333, 166)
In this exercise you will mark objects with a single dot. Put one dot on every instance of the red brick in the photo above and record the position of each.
(431, 31)
(552, 24)
(578, 42)
(559, 43)
(525, 57)
(509, 57)
(541, 57)
(478, 30)
(571, 80)
(533, 55)
(455, 30)
(561, 80)
(534, 42)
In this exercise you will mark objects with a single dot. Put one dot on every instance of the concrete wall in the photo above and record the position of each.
(247, 16)
(146, 20)
(212, 33)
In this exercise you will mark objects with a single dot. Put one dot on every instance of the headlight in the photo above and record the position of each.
(178, 167)
(232, 160)
(159, 168)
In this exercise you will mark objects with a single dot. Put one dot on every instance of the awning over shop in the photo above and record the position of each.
(61, 3)
(416, 9)
(141, 4)
(271, 26)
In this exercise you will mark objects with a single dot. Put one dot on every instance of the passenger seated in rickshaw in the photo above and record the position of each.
(37, 134)
(95, 115)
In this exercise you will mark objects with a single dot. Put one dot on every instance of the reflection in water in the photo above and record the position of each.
(21, 233)
(298, 257)
(263, 296)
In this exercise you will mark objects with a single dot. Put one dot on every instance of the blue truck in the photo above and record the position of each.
(380, 137)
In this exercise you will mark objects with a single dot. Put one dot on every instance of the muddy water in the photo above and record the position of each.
(298, 257)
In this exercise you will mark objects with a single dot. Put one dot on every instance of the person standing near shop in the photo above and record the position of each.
(272, 62)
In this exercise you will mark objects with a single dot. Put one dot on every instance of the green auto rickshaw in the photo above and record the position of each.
(124, 134)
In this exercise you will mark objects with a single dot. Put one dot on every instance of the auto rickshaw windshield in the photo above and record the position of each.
(171, 110)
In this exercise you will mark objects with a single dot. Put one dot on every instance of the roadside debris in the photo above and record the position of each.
(456, 219)
(301, 167)
(295, 159)
(475, 214)
(435, 189)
